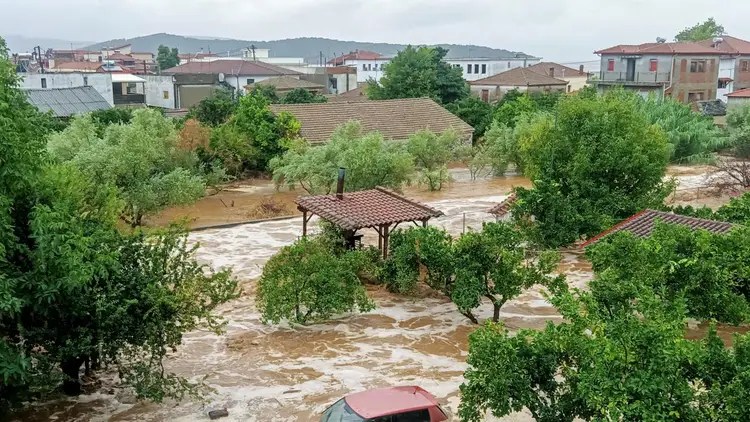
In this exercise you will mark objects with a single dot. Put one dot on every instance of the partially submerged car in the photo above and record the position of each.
(392, 404)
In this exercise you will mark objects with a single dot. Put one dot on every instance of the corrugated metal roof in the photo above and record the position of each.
(65, 102)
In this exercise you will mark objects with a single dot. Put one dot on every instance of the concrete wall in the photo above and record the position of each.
(686, 84)
(734, 102)
(159, 91)
(102, 82)
(727, 68)
(575, 83)
(239, 81)
(341, 83)
(741, 78)
(492, 67)
(643, 71)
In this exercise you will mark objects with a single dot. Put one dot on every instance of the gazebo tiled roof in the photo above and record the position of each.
(643, 223)
(503, 208)
(364, 209)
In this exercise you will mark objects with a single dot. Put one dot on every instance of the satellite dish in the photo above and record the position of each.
(221, 77)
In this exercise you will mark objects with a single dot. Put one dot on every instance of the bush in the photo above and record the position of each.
(370, 161)
(411, 250)
(302, 96)
(596, 162)
(216, 109)
(306, 282)
(432, 152)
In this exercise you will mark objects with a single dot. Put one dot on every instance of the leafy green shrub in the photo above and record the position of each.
(412, 248)
(216, 109)
(596, 162)
(475, 112)
(432, 152)
(306, 282)
(302, 96)
(369, 160)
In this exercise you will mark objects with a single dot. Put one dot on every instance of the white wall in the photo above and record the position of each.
(492, 67)
(726, 70)
(367, 69)
(102, 82)
(156, 86)
(239, 81)
(341, 83)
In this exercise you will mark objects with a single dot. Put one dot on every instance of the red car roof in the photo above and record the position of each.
(387, 401)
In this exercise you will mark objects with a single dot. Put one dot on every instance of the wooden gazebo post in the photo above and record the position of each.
(385, 228)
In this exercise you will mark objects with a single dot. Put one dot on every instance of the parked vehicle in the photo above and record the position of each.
(392, 404)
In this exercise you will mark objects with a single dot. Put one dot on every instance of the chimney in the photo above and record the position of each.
(340, 185)
(552, 72)
(580, 69)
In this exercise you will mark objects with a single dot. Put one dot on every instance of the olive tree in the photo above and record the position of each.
(369, 160)
(432, 152)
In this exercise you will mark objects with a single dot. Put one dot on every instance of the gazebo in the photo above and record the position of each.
(380, 209)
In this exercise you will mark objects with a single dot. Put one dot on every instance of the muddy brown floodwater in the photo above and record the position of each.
(263, 373)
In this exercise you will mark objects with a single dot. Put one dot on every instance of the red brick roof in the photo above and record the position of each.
(729, 45)
(367, 208)
(520, 76)
(670, 48)
(503, 208)
(118, 56)
(740, 93)
(340, 70)
(642, 224)
(231, 67)
(86, 66)
(356, 55)
(560, 70)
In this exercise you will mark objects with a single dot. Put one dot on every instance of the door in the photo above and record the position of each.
(630, 75)
(486, 95)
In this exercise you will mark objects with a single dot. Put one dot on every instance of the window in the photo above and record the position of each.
(723, 84)
(375, 67)
(654, 65)
(417, 416)
(745, 65)
(165, 95)
(611, 65)
(697, 66)
(250, 81)
(484, 69)
(369, 66)
(695, 96)
(569, 88)
(85, 81)
(131, 89)
(364, 66)
(44, 82)
(476, 68)
(468, 68)
(340, 412)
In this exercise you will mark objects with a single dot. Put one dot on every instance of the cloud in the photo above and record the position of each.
(555, 29)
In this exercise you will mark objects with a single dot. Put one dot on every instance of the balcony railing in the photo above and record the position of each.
(643, 78)
(128, 99)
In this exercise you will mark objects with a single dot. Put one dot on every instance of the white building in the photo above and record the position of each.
(369, 64)
(475, 68)
(727, 68)
(102, 82)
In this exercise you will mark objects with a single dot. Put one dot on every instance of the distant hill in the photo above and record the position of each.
(307, 48)
(22, 44)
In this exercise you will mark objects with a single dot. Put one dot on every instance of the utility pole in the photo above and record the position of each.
(321, 59)
(252, 47)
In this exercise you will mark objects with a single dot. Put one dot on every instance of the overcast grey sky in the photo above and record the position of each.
(563, 30)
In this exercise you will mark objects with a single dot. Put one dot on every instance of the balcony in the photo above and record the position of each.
(635, 78)
(129, 99)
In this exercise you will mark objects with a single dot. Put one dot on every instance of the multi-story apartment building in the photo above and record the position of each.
(734, 66)
(687, 72)
(369, 64)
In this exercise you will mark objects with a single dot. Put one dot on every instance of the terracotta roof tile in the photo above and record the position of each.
(286, 83)
(740, 93)
(395, 119)
(669, 48)
(642, 224)
(729, 45)
(231, 67)
(340, 70)
(367, 208)
(520, 76)
(503, 208)
(356, 55)
(560, 70)
(89, 66)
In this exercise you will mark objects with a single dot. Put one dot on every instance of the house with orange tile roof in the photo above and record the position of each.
(369, 64)
(734, 65)
(687, 72)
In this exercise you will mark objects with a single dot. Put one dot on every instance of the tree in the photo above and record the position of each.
(420, 72)
(432, 152)
(271, 135)
(501, 146)
(166, 58)
(601, 364)
(694, 137)
(216, 109)
(475, 112)
(302, 96)
(707, 270)
(73, 287)
(369, 160)
(491, 264)
(508, 112)
(111, 116)
(701, 31)
(595, 162)
(476, 158)
(141, 159)
(306, 282)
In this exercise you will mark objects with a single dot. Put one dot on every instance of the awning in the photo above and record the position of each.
(726, 80)
(126, 77)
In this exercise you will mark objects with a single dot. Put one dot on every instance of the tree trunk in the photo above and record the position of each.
(471, 317)
(496, 313)
(71, 368)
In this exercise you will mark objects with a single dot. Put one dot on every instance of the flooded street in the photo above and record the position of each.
(265, 373)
